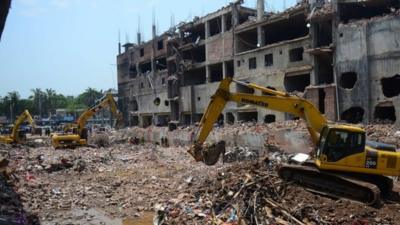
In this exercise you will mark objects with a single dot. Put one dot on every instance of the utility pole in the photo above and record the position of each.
(40, 105)
(11, 111)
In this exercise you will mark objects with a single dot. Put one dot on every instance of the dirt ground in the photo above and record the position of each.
(136, 184)
(112, 184)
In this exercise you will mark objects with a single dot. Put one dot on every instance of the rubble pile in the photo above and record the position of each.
(386, 133)
(253, 194)
(131, 177)
(123, 180)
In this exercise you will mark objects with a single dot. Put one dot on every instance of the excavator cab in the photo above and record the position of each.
(338, 143)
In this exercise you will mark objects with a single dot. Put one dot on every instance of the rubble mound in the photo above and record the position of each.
(252, 193)
(100, 140)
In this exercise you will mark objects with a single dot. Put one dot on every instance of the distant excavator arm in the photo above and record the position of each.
(14, 138)
(79, 136)
(106, 101)
(25, 116)
(274, 100)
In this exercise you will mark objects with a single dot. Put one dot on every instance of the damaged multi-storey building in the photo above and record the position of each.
(342, 55)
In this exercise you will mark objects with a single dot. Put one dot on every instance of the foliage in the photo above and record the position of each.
(44, 103)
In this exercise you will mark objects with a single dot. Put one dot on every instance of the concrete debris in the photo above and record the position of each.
(162, 185)
(240, 154)
(253, 194)
(100, 140)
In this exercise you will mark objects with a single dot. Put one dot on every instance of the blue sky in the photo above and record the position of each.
(69, 45)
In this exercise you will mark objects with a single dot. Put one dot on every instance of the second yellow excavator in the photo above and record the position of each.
(79, 134)
(344, 164)
(15, 136)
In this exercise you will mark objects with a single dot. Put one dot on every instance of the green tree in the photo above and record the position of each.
(25, 104)
(39, 99)
(13, 104)
(10, 104)
(89, 97)
(2, 107)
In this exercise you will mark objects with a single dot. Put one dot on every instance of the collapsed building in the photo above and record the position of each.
(342, 55)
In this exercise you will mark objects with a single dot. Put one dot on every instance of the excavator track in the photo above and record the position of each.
(331, 183)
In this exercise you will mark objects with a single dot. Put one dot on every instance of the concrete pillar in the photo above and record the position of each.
(224, 69)
(235, 22)
(140, 121)
(313, 58)
(208, 74)
(260, 17)
(223, 23)
(260, 36)
(139, 40)
(396, 103)
(260, 10)
(153, 49)
(207, 29)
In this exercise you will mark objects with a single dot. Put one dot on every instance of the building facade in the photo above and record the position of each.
(342, 55)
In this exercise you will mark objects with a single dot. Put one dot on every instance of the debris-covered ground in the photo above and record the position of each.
(132, 183)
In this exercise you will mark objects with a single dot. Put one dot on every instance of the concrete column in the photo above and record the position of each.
(153, 48)
(260, 10)
(207, 29)
(224, 69)
(314, 59)
(223, 23)
(140, 121)
(235, 22)
(208, 74)
(260, 17)
(260, 36)
(396, 103)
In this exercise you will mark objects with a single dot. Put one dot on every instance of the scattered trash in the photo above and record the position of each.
(126, 180)
(300, 157)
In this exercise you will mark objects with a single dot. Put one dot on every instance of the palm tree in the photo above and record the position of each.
(51, 98)
(90, 96)
(38, 98)
(13, 99)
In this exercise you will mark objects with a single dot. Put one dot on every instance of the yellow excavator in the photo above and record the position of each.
(344, 163)
(15, 136)
(79, 134)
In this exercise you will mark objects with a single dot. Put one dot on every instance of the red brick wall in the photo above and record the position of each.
(219, 48)
(330, 103)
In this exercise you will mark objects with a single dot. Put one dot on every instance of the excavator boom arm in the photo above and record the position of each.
(25, 116)
(274, 100)
(106, 101)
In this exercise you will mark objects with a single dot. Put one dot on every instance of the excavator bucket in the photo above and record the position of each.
(209, 154)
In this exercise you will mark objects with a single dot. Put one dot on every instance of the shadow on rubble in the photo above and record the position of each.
(11, 209)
